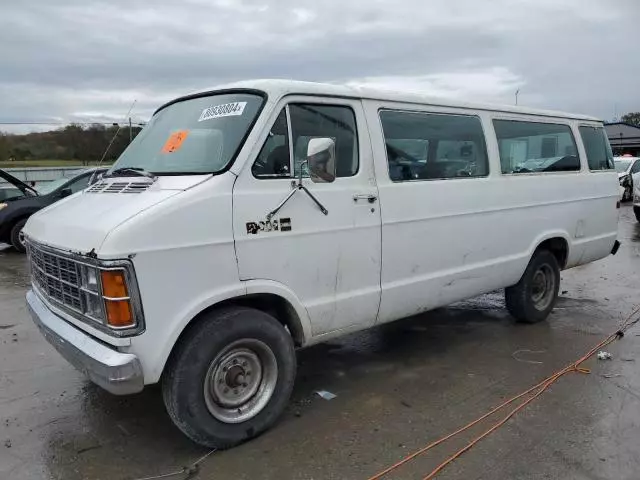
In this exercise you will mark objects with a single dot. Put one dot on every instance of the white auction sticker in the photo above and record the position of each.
(226, 110)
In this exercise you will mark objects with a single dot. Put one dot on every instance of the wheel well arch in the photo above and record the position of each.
(275, 305)
(558, 246)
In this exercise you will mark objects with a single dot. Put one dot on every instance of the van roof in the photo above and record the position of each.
(279, 88)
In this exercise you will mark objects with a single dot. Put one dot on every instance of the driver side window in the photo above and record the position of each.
(308, 121)
(274, 160)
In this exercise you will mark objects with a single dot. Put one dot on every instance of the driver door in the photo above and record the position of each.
(331, 262)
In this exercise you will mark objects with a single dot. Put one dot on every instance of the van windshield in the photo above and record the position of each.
(195, 136)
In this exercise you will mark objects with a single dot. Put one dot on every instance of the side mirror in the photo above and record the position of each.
(65, 192)
(321, 160)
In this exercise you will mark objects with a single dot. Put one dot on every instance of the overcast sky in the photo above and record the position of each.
(85, 60)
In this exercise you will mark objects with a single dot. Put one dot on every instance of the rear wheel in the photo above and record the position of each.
(636, 210)
(17, 238)
(534, 296)
(230, 377)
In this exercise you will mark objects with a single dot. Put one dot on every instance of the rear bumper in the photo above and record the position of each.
(116, 372)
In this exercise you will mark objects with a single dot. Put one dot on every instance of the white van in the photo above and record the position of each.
(250, 220)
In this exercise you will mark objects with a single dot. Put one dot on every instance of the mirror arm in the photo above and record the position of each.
(282, 203)
(315, 200)
(297, 187)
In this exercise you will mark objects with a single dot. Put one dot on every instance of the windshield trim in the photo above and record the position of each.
(211, 93)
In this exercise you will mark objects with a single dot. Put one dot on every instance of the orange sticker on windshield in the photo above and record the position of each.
(175, 141)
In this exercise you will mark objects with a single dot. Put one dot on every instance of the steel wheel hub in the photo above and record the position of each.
(240, 381)
(543, 287)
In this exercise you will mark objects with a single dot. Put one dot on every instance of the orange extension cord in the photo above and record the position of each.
(535, 392)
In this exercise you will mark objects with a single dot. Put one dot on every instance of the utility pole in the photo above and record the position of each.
(130, 134)
(517, 93)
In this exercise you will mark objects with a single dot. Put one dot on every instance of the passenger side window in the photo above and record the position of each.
(596, 145)
(425, 146)
(527, 147)
(636, 167)
(308, 121)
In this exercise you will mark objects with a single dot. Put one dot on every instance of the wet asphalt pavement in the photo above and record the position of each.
(398, 388)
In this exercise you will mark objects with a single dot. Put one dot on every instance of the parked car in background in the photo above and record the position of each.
(19, 201)
(627, 166)
(636, 195)
(9, 192)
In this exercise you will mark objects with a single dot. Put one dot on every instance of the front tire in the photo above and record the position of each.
(532, 299)
(230, 377)
(17, 239)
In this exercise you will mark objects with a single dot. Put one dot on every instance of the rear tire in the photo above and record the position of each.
(532, 299)
(230, 377)
(17, 240)
(636, 210)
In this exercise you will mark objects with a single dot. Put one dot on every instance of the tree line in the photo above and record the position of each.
(72, 142)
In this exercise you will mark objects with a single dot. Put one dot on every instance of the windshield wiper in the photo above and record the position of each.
(121, 172)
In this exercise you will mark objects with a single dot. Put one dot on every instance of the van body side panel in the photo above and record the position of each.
(447, 240)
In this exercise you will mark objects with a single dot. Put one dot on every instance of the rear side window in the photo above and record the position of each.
(528, 147)
(596, 145)
(425, 146)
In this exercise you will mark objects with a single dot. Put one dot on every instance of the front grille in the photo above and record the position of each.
(56, 277)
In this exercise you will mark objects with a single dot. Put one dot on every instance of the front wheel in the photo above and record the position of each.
(230, 378)
(534, 296)
(17, 238)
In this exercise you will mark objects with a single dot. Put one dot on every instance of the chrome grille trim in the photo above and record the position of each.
(45, 262)
(57, 277)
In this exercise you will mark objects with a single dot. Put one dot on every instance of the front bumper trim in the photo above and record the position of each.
(116, 372)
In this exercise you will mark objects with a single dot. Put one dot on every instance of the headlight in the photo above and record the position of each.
(3, 205)
(91, 293)
(90, 278)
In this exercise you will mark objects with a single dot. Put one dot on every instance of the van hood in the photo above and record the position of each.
(80, 223)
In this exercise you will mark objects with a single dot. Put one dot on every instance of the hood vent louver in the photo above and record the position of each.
(119, 186)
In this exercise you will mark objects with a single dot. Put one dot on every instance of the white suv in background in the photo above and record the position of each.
(636, 194)
(627, 166)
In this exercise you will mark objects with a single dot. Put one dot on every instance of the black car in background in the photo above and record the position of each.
(23, 201)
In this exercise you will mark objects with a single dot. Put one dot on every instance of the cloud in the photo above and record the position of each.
(497, 84)
(67, 58)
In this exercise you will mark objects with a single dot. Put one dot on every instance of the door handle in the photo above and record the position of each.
(369, 197)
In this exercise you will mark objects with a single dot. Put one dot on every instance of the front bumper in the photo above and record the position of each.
(116, 372)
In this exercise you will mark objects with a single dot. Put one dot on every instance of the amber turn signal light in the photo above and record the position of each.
(119, 313)
(116, 299)
(114, 284)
